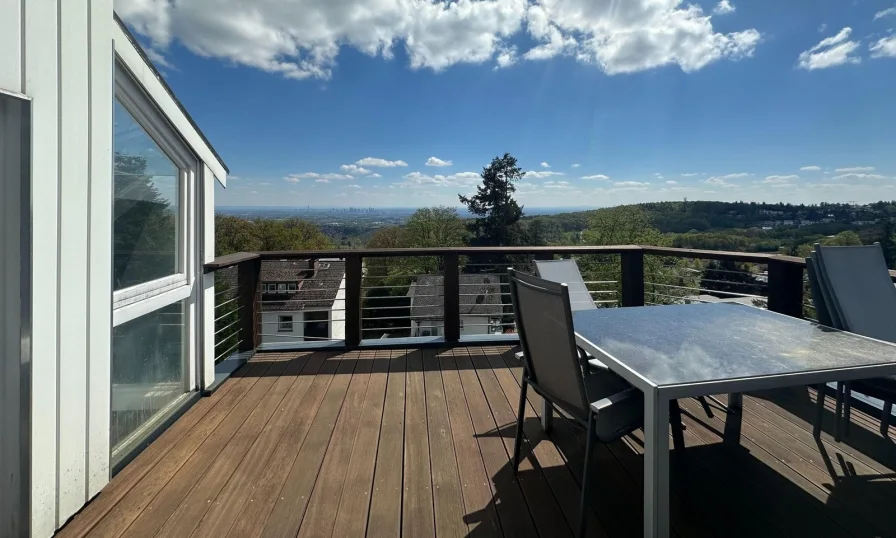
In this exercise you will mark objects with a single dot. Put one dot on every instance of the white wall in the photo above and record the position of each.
(475, 325)
(337, 315)
(270, 324)
(61, 56)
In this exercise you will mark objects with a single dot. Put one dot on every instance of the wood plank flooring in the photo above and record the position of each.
(417, 443)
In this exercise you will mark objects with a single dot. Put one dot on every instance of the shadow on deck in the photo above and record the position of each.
(417, 443)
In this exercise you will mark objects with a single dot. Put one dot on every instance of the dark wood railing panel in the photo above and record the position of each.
(785, 288)
(248, 272)
(441, 251)
(229, 260)
(632, 278)
(354, 273)
(451, 297)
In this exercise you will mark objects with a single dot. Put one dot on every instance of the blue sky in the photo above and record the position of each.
(350, 103)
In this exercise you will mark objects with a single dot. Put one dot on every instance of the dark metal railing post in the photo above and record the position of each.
(632, 275)
(451, 297)
(248, 287)
(354, 274)
(785, 288)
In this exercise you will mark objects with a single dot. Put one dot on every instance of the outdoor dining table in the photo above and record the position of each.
(681, 351)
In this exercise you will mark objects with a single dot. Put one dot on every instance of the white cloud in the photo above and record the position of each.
(253, 192)
(630, 184)
(353, 186)
(885, 13)
(435, 161)
(691, 174)
(557, 185)
(780, 179)
(354, 169)
(856, 175)
(576, 165)
(541, 174)
(374, 175)
(303, 39)
(374, 161)
(831, 52)
(884, 47)
(295, 178)
(671, 182)
(810, 169)
(822, 27)
(723, 8)
(545, 165)
(321, 180)
(737, 175)
(715, 181)
(416, 179)
(599, 177)
(854, 169)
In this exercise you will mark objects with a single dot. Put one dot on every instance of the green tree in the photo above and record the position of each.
(145, 228)
(388, 237)
(435, 227)
(496, 211)
(233, 234)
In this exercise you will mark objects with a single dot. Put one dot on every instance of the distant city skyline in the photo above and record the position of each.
(401, 103)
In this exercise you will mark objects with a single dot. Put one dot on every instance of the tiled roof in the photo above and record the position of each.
(315, 288)
(480, 296)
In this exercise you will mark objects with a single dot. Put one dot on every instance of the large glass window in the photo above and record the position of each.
(148, 358)
(146, 206)
(317, 325)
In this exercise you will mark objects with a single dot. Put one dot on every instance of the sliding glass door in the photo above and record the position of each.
(154, 268)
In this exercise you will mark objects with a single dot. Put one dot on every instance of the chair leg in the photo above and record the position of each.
(838, 410)
(675, 422)
(706, 408)
(819, 408)
(517, 444)
(847, 407)
(885, 419)
(586, 477)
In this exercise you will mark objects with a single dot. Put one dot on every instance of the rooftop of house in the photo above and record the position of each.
(318, 283)
(480, 295)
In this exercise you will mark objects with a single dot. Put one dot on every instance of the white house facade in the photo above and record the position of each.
(480, 306)
(106, 187)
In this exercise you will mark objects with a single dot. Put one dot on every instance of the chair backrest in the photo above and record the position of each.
(567, 272)
(862, 292)
(822, 314)
(544, 322)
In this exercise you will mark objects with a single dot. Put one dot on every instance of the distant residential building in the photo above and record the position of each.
(302, 300)
(480, 305)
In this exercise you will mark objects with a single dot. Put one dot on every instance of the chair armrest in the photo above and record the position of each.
(596, 364)
(519, 356)
(615, 399)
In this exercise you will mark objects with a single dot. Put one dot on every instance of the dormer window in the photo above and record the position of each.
(292, 286)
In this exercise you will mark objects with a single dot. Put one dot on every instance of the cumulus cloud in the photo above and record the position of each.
(417, 179)
(295, 178)
(374, 161)
(723, 8)
(885, 13)
(690, 174)
(533, 174)
(374, 175)
(859, 175)
(884, 47)
(630, 184)
(576, 165)
(780, 179)
(557, 185)
(303, 38)
(545, 165)
(810, 168)
(435, 161)
(321, 180)
(353, 186)
(853, 169)
(354, 169)
(599, 177)
(671, 182)
(831, 52)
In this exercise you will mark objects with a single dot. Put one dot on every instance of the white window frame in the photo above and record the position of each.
(135, 301)
(284, 326)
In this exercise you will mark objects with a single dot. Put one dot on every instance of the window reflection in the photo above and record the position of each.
(146, 206)
(147, 368)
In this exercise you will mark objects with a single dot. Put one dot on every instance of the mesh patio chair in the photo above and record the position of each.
(858, 295)
(603, 403)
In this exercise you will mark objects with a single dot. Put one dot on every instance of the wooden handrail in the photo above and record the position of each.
(229, 260)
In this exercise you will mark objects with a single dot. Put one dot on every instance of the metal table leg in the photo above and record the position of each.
(656, 465)
(547, 415)
(734, 417)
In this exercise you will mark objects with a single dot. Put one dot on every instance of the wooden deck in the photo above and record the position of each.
(417, 443)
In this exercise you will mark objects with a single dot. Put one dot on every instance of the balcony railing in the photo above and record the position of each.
(449, 295)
